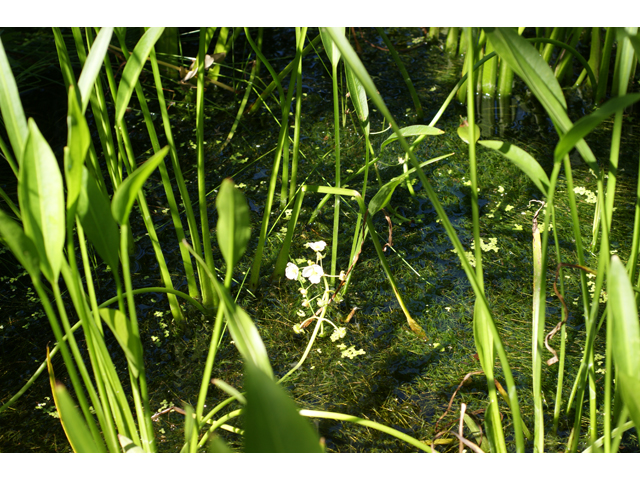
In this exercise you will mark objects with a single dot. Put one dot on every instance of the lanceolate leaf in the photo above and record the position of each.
(20, 245)
(128, 190)
(626, 337)
(522, 160)
(234, 227)
(133, 68)
(413, 130)
(11, 107)
(359, 98)
(40, 191)
(587, 124)
(94, 212)
(93, 64)
(78, 141)
(272, 422)
(330, 47)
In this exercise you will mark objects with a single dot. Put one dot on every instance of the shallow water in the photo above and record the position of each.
(401, 380)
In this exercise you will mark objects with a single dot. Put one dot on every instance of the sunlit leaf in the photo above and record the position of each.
(464, 132)
(626, 337)
(13, 116)
(359, 98)
(40, 190)
(133, 68)
(329, 46)
(413, 130)
(522, 160)
(128, 190)
(587, 124)
(272, 422)
(93, 64)
(234, 227)
(78, 141)
(128, 446)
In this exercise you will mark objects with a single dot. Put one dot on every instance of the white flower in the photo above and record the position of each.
(313, 273)
(317, 246)
(292, 271)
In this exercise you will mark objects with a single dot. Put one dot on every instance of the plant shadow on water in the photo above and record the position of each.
(401, 380)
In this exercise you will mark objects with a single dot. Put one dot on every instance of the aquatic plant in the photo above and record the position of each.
(49, 220)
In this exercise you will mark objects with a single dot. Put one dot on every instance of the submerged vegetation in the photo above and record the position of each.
(318, 240)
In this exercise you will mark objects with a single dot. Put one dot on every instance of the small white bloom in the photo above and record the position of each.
(317, 246)
(292, 271)
(343, 276)
(303, 291)
(313, 273)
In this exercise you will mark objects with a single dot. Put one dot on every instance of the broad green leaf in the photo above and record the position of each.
(522, 160)
(93, 64)
(133, 68)
(78, 141)
(272, 422)
(359, 98)
(94, 212)
(464, 132)
(11, 107)
(128, 190)
(626, 337)
(20, 245)
(40, 190)
(123, 331)
(74, 425)
(329, 46)
(413, 130)
(128, 446)
(234, 227)
(587, 124)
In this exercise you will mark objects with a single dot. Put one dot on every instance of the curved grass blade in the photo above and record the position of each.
(40, 191)
(523, 161)
(133, 68)
(11, 107)
(587, 124)
(123, 331)
(93, 64)
(126, 193)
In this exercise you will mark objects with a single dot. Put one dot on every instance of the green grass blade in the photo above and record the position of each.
(126, 193)
(11, 107)
(133, 68)
(93, 64)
